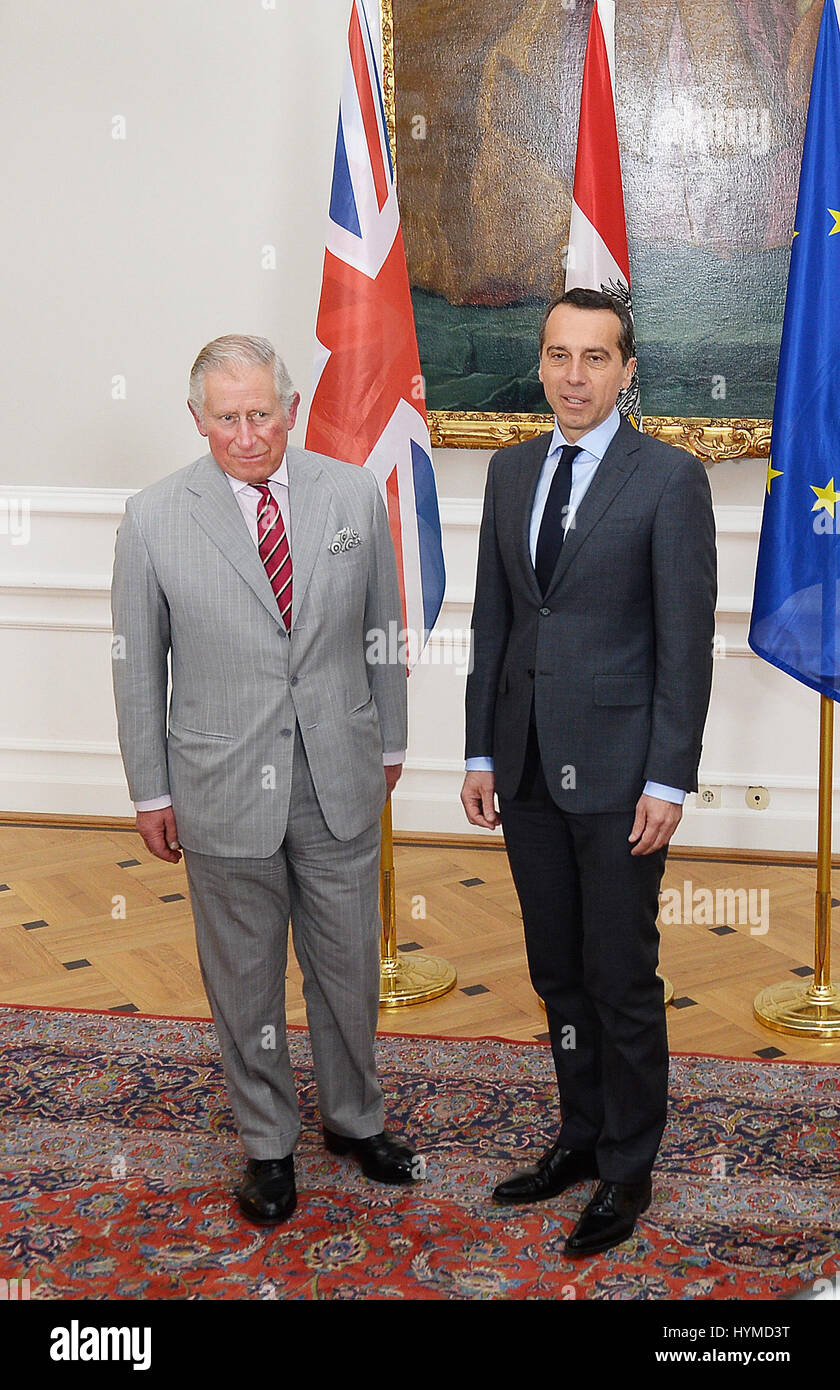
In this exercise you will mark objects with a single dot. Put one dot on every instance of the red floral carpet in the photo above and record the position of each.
(119, 1161)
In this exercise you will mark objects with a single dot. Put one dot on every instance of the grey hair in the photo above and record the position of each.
(236, 352)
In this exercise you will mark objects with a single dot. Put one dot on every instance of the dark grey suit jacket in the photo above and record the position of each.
(617, 657)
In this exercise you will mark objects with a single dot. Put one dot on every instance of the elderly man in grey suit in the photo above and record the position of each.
(592, 627)
(258, 572)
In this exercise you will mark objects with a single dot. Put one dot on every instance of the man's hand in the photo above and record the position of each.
(478, 799)
(393, 772)
(654, 825)
(159, 834)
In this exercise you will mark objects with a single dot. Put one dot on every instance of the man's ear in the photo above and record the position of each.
(293, 410)
(194, 413)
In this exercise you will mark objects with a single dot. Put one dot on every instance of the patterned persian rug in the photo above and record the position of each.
(119, 1162)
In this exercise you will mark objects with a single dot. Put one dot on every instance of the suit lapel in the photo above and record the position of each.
(309, 502)
(618, 463)
(217, 512)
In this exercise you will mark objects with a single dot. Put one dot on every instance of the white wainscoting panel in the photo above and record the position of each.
(58, 747)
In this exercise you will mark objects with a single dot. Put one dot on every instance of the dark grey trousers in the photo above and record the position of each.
(589, 910)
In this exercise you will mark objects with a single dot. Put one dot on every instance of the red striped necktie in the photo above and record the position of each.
(273, 544)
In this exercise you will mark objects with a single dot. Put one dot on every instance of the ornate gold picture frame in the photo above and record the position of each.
(712, 440)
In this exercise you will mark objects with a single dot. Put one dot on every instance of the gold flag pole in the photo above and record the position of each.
(790, 1007)
(419, 978)
(410, 979)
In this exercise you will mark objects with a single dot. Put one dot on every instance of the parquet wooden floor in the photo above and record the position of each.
(89, 919)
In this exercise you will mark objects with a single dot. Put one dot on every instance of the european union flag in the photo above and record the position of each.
(796, 604)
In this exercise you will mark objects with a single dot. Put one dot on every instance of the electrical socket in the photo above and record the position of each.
(757, 798)
(708, 797)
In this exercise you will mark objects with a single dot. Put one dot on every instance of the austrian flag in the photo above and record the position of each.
(598, 258)
(368, 405)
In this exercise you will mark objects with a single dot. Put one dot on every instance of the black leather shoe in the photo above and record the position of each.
(555, 1171)
(610, 1217)
(268, 1195)
(383, 1157)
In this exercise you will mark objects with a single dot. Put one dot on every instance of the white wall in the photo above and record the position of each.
(121, 258)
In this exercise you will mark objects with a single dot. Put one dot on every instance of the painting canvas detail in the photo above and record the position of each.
(711, 100)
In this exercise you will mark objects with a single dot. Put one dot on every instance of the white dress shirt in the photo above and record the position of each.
(249, 500)
(593, 446)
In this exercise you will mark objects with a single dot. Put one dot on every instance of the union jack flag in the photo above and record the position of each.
(368, 404)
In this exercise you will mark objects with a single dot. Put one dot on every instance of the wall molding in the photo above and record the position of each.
(456, 512)
(54, 600)
(68, 501)
(55, 625)
(100, 748)
(55, 584)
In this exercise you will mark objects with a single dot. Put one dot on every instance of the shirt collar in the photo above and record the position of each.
(596, 442)
(280, 475)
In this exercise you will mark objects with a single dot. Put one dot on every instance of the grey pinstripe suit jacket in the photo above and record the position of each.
(189, 587)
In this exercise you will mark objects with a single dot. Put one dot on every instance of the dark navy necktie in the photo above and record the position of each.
(550, 539)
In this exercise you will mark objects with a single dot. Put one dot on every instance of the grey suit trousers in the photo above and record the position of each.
(241, 909)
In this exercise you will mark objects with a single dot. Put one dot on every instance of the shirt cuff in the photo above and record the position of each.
(389, 759)
(663, 793)
(158, 803)
(479, 765)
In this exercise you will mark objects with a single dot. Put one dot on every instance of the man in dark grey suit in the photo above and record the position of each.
(258, 573)
(592, 631)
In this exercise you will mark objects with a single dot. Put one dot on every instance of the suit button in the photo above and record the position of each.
(286, 733)
(544, 612)
(293, 681)
(531, 672)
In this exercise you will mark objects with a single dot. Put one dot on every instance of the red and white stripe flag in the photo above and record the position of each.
(597, 257)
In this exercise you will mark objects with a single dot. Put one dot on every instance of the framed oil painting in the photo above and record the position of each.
(711, 102)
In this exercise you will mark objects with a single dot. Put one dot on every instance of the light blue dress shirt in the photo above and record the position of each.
(592, 447)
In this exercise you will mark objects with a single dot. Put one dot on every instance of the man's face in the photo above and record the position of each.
(244, 423)
(581, 368)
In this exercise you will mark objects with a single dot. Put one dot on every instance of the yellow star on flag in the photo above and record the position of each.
(826, 497)
(836, 215)
(772, 473)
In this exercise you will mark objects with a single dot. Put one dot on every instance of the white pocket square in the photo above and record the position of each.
(344, 539)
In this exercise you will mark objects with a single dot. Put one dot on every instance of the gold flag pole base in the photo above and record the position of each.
(414, 980)
(403, 980)
(790, 1007)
